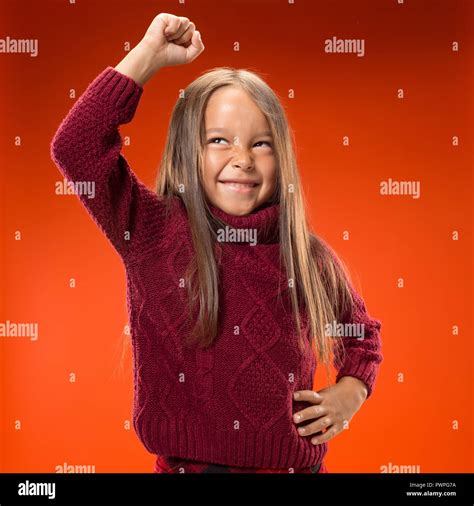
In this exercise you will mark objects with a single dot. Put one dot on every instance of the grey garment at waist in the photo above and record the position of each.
(316, 468)
(218, 468)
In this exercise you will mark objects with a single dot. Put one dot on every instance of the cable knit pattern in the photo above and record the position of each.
(231, 404)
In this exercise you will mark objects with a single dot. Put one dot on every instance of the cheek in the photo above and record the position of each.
(266, 159)
(207, 167)
(269, 170)
(212, 161)
(210, 172)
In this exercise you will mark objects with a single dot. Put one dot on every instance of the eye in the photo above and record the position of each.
(211, 141)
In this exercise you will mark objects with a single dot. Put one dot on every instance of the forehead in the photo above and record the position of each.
(231, 105)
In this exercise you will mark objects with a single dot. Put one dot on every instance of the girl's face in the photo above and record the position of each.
(239, 172)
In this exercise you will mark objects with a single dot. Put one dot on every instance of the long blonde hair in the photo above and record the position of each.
(319, 278)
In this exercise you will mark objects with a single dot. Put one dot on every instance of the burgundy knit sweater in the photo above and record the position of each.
(233, 403)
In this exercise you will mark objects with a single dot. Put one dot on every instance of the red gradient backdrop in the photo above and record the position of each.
(421, 410)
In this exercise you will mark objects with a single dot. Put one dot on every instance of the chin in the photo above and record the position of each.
(238, 209)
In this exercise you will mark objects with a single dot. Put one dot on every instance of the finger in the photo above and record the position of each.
(315, 411)
(308, 395)
(315, 427)
(186, 36)
(196, 47)
(166, 21)
(172, 23)
(323, 438)
(183, 26)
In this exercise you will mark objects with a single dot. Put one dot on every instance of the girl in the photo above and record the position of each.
(231, 299)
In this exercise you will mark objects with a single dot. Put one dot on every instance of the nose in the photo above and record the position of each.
(242, 159)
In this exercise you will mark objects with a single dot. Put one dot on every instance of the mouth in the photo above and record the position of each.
(240, 186)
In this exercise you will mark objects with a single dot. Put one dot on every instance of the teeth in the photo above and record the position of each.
(242, 185)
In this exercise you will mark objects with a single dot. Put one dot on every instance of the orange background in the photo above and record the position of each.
(407, 46)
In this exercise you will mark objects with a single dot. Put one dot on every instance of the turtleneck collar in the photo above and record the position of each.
(261, 226)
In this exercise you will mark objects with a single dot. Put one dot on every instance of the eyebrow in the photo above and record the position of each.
(223, 130)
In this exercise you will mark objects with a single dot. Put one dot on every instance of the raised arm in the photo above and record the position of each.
(86, 149)
(87, 145)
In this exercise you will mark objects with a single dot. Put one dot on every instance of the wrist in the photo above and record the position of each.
(139, 64)
(356, 386)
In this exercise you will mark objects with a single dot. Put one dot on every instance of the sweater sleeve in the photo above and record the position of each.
(363, 354)
(86, 149)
